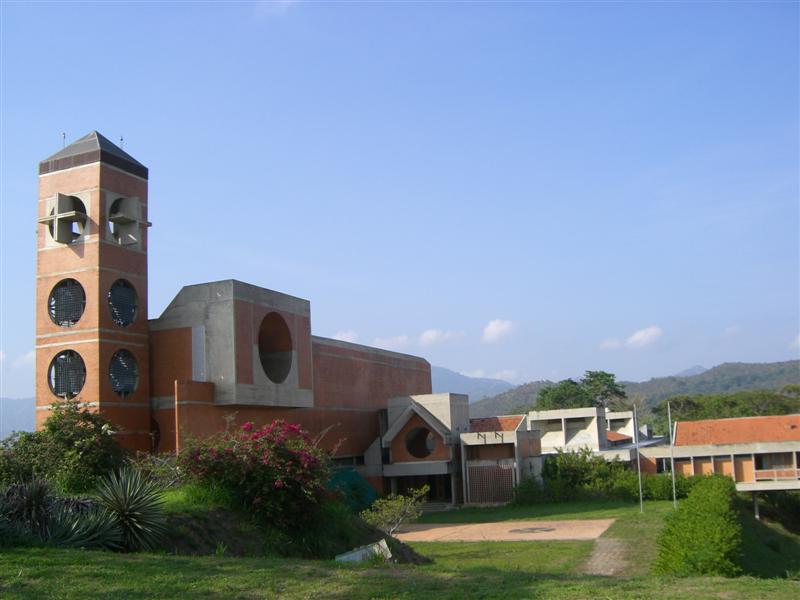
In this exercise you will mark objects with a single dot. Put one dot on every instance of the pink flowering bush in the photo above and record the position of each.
(276, 471)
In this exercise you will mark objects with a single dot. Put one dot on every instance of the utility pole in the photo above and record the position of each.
(638, 458)
(672, 456)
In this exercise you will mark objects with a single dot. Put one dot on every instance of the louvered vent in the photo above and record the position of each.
(122, 302)
(123, 373)
(66, 303)
(67, 374)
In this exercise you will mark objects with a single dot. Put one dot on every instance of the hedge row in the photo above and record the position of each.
(703, 537)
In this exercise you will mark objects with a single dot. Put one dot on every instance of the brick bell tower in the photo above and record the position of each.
(91, 286)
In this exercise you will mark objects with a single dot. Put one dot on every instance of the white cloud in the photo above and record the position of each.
(474, 373)
(392, 343)
(496, 329)
(731, 330)
(346, 336)
(795, 343)
(644, 337)
(24, 360)
(507, 374)
(2, 356)
(638, 339)
(429, 337)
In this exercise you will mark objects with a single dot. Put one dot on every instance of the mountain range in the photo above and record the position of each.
(722, 379)
(445, 380)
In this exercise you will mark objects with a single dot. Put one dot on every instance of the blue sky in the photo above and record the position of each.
(526, 190)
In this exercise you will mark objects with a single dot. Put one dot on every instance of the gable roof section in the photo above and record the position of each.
(504, 423)
(745, 430)
(424, 414)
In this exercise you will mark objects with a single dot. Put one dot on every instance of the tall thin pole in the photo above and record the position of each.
(638, 458)
(672, 456)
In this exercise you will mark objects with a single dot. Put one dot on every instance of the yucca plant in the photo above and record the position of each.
(93, 528)
(29, 505)
(135, 502)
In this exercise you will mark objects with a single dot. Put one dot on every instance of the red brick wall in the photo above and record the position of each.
(401, 454)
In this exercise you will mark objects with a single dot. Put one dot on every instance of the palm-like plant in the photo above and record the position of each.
(94, 528)
(29, 504)
(136, 504)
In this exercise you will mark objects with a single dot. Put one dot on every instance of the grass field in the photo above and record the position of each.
(460, 570)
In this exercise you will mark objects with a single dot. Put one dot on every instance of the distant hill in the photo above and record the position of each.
(509, 402)
(724, 378)
(695, 370)
(445, 380)
(18, 415)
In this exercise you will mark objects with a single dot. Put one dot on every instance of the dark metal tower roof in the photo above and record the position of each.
(93, 147)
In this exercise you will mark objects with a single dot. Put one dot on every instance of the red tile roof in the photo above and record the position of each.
(509, 423)
(745, 430)
(613, 436)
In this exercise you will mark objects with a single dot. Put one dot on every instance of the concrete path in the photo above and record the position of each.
(607, 558)
(505, 531)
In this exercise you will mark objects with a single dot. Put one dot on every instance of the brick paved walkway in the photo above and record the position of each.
(607, 558)
(507, 531)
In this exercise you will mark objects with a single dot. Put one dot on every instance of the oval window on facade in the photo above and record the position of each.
(122, 302)
(123, 373)
(67, 374)
(420, 442)
(275, 348)
(66, 303)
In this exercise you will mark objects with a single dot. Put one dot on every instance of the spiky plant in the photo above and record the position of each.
(29, 505)
(94, 528)
(136, 504)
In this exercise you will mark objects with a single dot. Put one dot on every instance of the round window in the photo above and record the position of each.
(275, 347)
(67, 374)
(122, 302)
(123, 373)
(420, 442)
(66, 303)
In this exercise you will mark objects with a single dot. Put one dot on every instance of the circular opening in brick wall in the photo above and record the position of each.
(275, 347)
(123, 373)
(420, 442)
(67, 374)
(66, 303)
(122, 302)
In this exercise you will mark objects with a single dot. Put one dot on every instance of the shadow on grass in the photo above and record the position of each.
(768, 550)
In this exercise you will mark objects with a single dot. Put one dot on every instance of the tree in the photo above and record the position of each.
(565, 394)
(602, 387)
(596, 388)
(390, 513)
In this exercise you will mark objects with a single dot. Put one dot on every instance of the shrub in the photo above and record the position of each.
(277, 473)
(390, 513)
(703, 537)
(529, 491)
(72, 451)
(135, 503)
(28, 506)
(354, 490)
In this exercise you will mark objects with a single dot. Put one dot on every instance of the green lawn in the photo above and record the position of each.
(522, 572)
(460, 570)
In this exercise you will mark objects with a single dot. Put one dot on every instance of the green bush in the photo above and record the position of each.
(73, 450)
(703, 537)
(529, 491)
